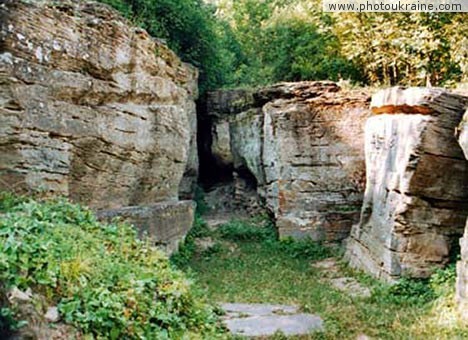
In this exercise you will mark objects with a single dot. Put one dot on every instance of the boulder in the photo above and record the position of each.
(416, 198)
(92, 108)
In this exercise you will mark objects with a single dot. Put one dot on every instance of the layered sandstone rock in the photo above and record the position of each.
(462, 265)
(301, 146)
(163, 223)
(416, 198)
(91, 107)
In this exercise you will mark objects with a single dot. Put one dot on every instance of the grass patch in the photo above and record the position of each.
(261, 269)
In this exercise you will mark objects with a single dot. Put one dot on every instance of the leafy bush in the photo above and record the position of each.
(443, 280)
(408, 291)
(105, 282)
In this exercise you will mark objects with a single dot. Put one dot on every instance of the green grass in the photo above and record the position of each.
(250, 265)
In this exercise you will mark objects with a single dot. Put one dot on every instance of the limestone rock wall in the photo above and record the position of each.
(302, 146)
(462, 265)
(91, 107)
(416, 198)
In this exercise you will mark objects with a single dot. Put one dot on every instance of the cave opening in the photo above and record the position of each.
(212, 171)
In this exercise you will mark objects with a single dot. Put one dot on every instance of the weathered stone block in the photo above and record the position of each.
(313, 157)
(416, 196)
(92, 108)
(165, 223)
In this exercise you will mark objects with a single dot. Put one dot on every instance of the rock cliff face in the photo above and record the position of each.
(92, 108)
(301, 146)
(416, 198)
(96, 110)
(462, 265)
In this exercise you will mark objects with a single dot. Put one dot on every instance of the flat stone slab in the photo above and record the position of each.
(351, 287)
(265, 319)
(333, 275)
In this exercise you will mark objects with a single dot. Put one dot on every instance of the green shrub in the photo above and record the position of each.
(407, 291)
(410, 291)
(105, 282)
(443, 280)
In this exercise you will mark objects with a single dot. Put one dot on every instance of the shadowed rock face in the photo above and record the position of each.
(92, 108)
(462, 265)
(303, 143)
(416, 198)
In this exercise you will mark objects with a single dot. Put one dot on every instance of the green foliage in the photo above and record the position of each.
(8, 201)
(443, 280)
(187, 248)
(295, 40)
(406, 292)
(105, 282)
(260, 229)
(283, 41)
(405, 48)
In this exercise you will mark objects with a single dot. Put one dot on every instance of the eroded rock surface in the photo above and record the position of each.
(91, 107)
(300, 146)
(416, 198)
(164, 223)
(462, 265)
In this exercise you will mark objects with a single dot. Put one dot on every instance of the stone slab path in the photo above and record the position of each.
(342, 283)
(253, 320)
